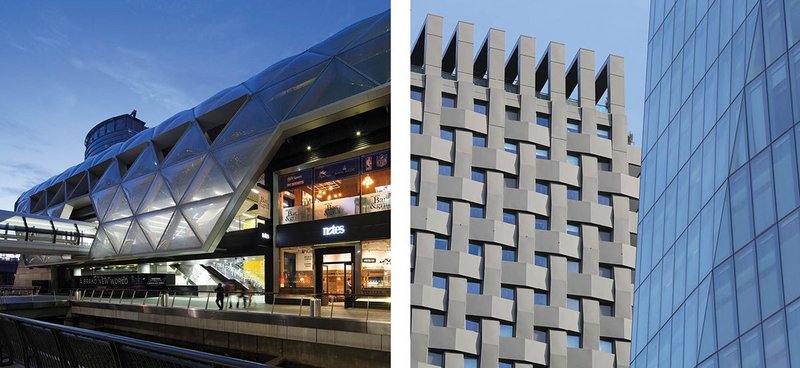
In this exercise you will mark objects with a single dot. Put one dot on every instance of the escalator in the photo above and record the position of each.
(222, 278)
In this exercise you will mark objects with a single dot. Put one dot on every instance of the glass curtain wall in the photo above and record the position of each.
(719, 226)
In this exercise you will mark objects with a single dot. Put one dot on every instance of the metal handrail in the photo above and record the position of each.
(157, 351)
(127, 296)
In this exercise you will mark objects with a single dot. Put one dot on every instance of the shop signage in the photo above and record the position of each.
(333, 230)
(295, 180)
(368, 260)
(335, 208)
(296, 214)
(366, 226)
(265, 236)
(336, 170)
(375, 202)
(375, 161)
(264, 202)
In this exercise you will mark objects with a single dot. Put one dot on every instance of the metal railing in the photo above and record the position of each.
(360, 307)
(35, 343)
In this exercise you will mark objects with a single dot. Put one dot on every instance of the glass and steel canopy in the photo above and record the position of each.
(24, 233)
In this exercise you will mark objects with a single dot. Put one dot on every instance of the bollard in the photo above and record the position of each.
(163, 300)
(315, 307)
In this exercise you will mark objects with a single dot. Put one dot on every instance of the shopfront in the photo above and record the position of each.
(333, 231)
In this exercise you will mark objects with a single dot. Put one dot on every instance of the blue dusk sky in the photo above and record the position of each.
(616, 27)
(68, 65)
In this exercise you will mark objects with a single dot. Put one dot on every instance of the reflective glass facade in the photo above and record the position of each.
(719, 225)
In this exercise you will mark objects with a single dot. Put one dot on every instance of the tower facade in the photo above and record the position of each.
(524, 204)
(716, 280)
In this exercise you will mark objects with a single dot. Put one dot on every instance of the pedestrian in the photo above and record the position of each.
(242, 296)
(220, 296)
(229, 293)
(251, 289)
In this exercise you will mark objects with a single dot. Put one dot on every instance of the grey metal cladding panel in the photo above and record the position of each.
(499, 238)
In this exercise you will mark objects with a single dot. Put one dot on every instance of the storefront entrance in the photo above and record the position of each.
(334, 275)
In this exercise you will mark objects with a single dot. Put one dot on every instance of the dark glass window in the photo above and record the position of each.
(509, 254)
(573, 265)
(417, 93)
(510, 217)
(542, 187)
(606, 234)
(574, 158)
(448, 100)
(435, 359)
(607, 272)
(573, 126)
(511, 147)
(416, 126)
(603, 164)
(574, 303)
(543, 153)
(511, 181)
(476, 249)
(447, 134)
(607, 346)
(444, 205)
(504, 364)
(573, 193)
(415, 163)
(507, 293)
(440, 281)
(540, 335)
(442, 243)
(479, 140)
(541, 260)
(542, 223)
(573, 228)
(474, 287)
(573, 340)
(606, 309)
(438, 319)
(512, 113)
(540, 297)
(479, 175)
(481, 107)
(471, 362)
(506, 330)
(543, 120)
(604, 132)
(604, 199)
(473, 325)
(414, 199)
(476, 211)
(445, 169)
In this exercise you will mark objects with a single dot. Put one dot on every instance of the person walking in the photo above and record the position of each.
(220, 296)
(229, 293)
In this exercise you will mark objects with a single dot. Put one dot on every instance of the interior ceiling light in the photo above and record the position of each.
(358, 133)
(367, 182)
(308, 148)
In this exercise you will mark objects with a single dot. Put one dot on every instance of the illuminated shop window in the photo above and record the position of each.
(297, 269)
(354, 186)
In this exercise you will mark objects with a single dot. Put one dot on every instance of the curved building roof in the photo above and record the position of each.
(164, 189)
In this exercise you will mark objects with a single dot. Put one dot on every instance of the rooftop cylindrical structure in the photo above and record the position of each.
(112, 131)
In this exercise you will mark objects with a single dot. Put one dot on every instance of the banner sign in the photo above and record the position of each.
(126, 281)
(336, 170)
(375, 161)
(264, 202)
(374, 202)
(295, 180)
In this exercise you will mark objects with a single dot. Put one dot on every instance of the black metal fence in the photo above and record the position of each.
(35, 343)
